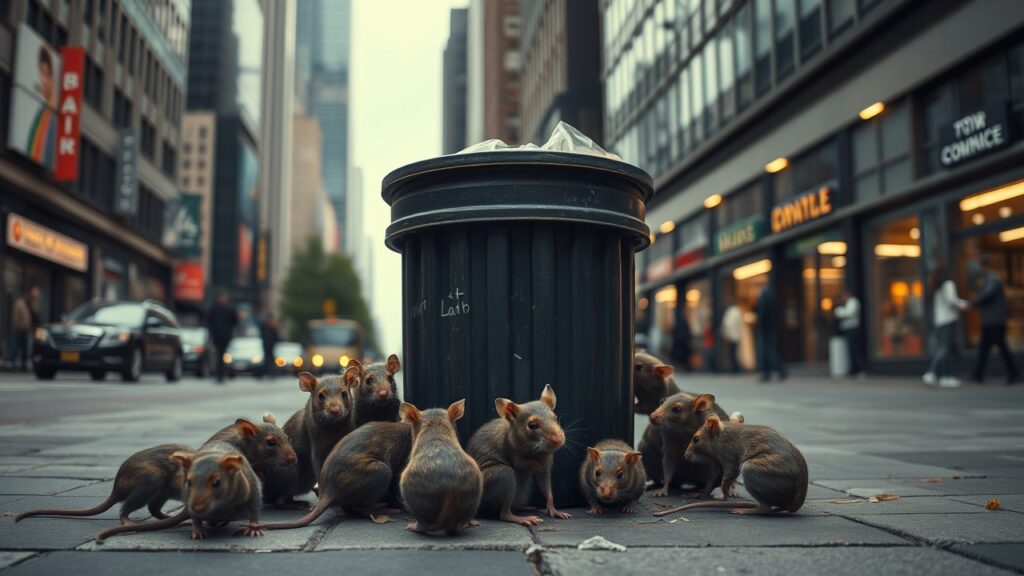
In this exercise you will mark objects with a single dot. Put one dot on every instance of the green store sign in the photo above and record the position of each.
(739, 234)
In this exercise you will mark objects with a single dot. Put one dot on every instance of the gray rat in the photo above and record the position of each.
(374, 391)
(652, 382)
(612, 476)
(662, 444)
(774, 471)
(512, 450)
(441, 485)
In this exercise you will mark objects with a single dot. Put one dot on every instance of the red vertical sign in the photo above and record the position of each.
(69, 116)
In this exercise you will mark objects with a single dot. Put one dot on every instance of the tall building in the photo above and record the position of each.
(815, 147)
(276, 150)
(561, 75)
(97, 233)
(323, 38)
(226, 79)
(454, 97)
(493, 74)
(308, 193)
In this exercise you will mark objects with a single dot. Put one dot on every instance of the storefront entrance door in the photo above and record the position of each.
(811, 276)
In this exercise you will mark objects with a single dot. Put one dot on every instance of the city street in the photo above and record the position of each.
(943, 453)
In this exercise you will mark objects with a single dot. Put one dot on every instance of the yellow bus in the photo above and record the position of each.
(332, 343)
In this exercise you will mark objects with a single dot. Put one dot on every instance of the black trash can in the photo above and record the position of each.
(517, 271)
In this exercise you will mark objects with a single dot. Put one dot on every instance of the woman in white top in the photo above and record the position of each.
(946, 307)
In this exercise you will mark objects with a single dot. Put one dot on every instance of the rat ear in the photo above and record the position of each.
(703, 403)
(410, 413)
(548, 396)
(353, 363)
(506, 408)
(714, 424)
(231, 463)
(184, 459)
(633, 458)
(663, 370)
(246, 428)
(306, 381)
(393, 365)
(353, 373)
(593, 455)
(269, 418)
(457, 410)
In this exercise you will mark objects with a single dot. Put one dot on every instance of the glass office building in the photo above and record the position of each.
(817, 145)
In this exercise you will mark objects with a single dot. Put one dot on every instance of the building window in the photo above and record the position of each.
(744, 47)
(684, 112)
(148, 140)
(169, 159)
(881, 153)
(122, 39)
(1016, 66)
(762, 45)
(101, 12)
(93, 84)
(710, 87)
(810, 28)
(697, 100)
(694, 13)
(813, 169)
(726, 76)
(840, 16)
(785, 16)
(89, 13)
(747, 202)
(896, 305)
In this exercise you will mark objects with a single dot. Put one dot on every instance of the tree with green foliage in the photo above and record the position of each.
(313, 278)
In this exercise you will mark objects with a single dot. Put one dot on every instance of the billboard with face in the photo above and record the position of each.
(33, 125)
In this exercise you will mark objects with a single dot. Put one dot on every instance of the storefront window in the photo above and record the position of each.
(881, 153)
(896, 298)
(664, 321)
(992, 206)
(811, 275)
(692, 240)
(697, 312)
(742, 285)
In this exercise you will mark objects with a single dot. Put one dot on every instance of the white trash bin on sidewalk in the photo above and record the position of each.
(838, 357)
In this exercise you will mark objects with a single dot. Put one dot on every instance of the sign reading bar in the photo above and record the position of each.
(69, 113)
(126, 190)
(973, 135)
(739, 234)
(38, 240)
(802, 209)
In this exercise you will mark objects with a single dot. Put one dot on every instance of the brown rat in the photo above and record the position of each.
(652, 382)
(265, 446)
(662, 444)
(147, 478)
(511, 451)
(612, 476)
(363, 467)
(374, 391)
(219, 487)
(441, 485)
(774, 471)
(313, 431)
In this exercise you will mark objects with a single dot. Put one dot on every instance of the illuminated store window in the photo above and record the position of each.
(896, 298)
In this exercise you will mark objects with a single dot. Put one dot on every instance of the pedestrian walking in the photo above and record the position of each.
(24, 319)
(946, 308)
(732, 332)
(848, 315)
(268, 332)
(991, 303)
(682, 349)
(767, 330)
(221, 321)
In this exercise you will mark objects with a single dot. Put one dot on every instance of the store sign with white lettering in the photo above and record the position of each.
(38, 240)
(973, 135)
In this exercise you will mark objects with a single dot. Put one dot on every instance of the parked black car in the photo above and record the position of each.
(107, 336)
(198, 350)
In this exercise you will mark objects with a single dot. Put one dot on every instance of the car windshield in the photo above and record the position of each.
(288, 349)
(111, 314)
(193, 336)
(241, 346)
(332, 335)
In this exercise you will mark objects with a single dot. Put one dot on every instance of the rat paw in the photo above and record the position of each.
(252, 531)
(557, 514)
(595, 510)
(660, 493)
(414, 527)
(629, 509)
(198, 535)
(523, 520)
(473, 523)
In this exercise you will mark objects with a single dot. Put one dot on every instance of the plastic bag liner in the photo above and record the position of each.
(564, 138)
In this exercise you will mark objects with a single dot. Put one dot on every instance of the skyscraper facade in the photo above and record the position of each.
(454, 98)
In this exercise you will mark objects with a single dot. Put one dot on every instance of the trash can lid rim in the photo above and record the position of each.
(541, 158)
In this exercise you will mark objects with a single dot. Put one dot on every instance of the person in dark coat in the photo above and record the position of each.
(681, 345)
(767, 331)
(991, 303)
(221, 321)
(268, 332)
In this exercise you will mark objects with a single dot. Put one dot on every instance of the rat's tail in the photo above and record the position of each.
(98, 509)
(715, 504)
(321, 506)
(144, 527)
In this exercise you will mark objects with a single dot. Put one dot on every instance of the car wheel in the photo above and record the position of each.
(97, 375)
(174, 373)
(45, 373)
(133, 368)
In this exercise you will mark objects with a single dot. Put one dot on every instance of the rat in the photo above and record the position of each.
(441, 485)
(374, 392)
(147, 478)
(313, 430)
(652, 382)
(363, 467)
(219, 487)
(774, 471)
(662, 444)
(265, 446)
(512, 450)
(612, 476)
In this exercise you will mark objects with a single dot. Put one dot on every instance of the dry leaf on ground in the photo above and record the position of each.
(683, 518)
(883, 498)
(993, 504)
(931, 480)
(380, 518)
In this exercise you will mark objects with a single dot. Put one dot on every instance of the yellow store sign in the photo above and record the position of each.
(803, 209)
(38, 240)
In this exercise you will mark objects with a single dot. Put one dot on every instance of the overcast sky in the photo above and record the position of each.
(397, 48)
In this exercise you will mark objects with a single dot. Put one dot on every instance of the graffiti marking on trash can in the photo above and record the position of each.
(454, 305)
